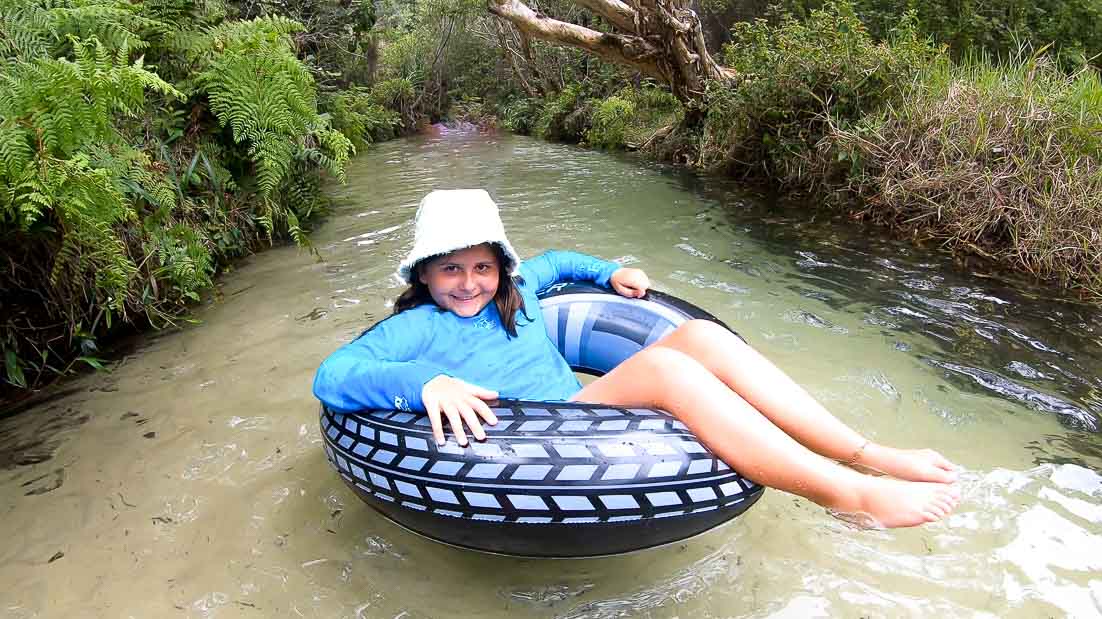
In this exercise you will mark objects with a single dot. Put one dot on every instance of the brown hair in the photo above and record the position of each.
(507, 298)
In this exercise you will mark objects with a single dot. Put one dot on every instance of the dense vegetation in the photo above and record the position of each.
(978, 126)
(143, 145)
(146, 144)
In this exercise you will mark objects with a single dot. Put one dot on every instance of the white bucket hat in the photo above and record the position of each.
(448, 220)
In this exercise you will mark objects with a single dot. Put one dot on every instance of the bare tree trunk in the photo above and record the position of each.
(549, 85)
(659, 38)
(511, 54)
(434, 80)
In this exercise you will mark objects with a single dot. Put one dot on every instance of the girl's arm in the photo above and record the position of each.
(553, 267)
(380, 369)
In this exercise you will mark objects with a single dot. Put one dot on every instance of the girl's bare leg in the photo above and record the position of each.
(665, 378)
(786, 404)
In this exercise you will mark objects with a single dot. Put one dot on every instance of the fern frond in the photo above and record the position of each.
(116, 24)
(72, 103)
(87, 205)
(272, 153)
(26, 30)
(260, 90)
(16, 149)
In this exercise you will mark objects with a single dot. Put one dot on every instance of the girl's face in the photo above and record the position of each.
(463, 281)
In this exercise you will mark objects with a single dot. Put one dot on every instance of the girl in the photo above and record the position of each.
(469, 329)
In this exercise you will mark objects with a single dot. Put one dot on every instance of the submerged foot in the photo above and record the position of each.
(881, 502)
(907, 464)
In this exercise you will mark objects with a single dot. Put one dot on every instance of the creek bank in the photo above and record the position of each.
(996, 160)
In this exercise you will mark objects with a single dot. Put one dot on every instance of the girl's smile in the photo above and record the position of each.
(464, 281)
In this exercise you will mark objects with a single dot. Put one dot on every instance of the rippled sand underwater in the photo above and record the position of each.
(190, 480)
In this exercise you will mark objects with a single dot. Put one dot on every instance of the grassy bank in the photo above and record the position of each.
(1000, 159)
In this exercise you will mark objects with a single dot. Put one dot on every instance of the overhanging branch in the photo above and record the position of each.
(617, 13)
(659, 38)
(620, 49)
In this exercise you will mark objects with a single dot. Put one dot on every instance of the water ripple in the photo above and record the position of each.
(676, 589)
(807, 318)
(1068, 413)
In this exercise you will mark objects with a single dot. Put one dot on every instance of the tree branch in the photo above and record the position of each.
(617, 13)
(620, 49)
(511, 55)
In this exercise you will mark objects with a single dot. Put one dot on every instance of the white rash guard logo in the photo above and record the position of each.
(401, 403)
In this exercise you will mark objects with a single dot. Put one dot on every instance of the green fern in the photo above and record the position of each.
(116, 24)
(71, 103)
(129, 201)
(84, 204)
(27, 30)
(55, 113)
(357, 115)
(42, 28)
(183, 258)
(260, 90)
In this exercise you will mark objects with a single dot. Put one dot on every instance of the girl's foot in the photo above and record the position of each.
(883, 503)
(908, 464)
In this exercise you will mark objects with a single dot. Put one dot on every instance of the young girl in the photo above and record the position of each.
(469, 329)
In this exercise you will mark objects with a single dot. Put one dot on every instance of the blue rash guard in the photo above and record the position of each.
(387, 366)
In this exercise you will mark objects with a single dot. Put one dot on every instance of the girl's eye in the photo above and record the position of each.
(482, 268)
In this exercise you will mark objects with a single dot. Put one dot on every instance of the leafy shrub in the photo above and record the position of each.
(798, 79)
(998, 27)
(263, 92)
(117, 203)
(397, 95)
(53, 113)
(610, 123)
(521, 115)
(357, 115)
(473, 111)
(558, 119)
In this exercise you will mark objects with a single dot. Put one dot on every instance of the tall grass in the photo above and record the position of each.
(1003, 159)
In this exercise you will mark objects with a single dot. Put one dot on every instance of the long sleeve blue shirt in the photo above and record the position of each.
(388, 366)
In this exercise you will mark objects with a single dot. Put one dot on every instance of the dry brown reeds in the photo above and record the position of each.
(1000, 161)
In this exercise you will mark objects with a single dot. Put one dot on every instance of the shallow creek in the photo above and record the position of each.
(190, 480)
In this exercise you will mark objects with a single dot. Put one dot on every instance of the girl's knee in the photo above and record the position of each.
(668, 368)
(706, 332)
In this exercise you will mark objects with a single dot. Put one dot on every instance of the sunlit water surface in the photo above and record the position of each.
(190, 480)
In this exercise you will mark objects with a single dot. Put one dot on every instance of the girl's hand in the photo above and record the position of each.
(461, 403)
(628, 282)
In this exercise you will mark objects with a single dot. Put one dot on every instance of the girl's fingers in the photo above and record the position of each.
(484, 411)
(468, 415)
(454, 420)
(462, 404)
(480, 392)
(632, 290)
(485, 394)
(434, 419)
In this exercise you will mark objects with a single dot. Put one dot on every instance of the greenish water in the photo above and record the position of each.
(190, 481)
